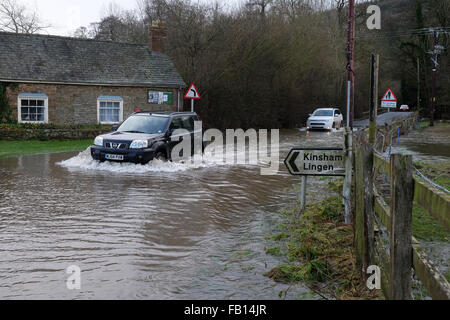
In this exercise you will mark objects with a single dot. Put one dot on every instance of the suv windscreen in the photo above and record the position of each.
(323, 113)
(144, 124)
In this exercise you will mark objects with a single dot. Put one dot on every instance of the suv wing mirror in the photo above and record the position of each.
(115, 127)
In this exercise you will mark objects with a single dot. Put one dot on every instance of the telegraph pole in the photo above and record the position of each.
(348, 141)
(377, 71)
(433, 81)
(418, 84)
(437, 49)
(350, 62)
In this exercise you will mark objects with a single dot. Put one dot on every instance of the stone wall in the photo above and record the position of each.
(19, 133)
(77, 104)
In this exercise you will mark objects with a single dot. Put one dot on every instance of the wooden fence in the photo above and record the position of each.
(383, 219)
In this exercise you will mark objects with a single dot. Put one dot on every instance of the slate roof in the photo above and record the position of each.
(54, 59)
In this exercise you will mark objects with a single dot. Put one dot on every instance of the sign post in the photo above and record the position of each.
(320, 161)
(193, 94)
(389, 100)
(303, 195)
(347, 187)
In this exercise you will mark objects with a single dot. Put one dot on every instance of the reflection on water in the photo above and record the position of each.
(431, 149)
(431, 144)
(187, 233)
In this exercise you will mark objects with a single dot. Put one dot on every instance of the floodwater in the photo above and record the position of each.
(160, 231)
(431, 144)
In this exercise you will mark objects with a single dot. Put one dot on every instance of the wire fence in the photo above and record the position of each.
(387, 156)
(420, 174)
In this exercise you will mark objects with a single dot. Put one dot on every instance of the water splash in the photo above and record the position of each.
(84, 161)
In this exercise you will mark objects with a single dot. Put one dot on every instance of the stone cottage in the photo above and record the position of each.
(62, 80)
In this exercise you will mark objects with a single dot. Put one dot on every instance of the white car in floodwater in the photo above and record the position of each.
(325, 119)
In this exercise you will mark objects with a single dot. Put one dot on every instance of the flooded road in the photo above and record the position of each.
(161, 231)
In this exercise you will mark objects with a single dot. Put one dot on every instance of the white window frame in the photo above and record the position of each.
(32, 96)
(109, 99)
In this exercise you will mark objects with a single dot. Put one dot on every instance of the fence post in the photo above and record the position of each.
(402, 195)
(364, 225)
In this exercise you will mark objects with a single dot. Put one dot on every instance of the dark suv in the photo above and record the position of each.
(144, 136)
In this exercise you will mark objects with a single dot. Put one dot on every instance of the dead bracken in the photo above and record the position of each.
(319, 250)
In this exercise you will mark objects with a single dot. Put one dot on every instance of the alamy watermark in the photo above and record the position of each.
(374, 21)
(231, 149)
(73, 282)
(374, 280)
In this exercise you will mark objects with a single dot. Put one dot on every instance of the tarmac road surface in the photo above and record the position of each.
(384, 118)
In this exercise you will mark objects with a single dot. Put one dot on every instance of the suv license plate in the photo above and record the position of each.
(117, 157)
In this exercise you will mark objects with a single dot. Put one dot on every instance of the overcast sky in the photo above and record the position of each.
(65, 16)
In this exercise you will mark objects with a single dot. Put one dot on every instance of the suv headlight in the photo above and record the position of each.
(98, 141)
(139, 144)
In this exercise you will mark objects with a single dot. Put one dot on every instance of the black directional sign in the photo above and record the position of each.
(316, 161)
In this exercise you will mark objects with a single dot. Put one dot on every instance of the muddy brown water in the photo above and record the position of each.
(431, 144)
(162, 231)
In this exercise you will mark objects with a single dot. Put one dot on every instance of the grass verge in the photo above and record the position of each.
(426, 123)
(426, 228)
(319, 249)
(19, 148)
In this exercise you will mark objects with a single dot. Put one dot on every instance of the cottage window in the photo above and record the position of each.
(32, 108)
(110, 110)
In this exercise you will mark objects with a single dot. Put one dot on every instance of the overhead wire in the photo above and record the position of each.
(402, 33)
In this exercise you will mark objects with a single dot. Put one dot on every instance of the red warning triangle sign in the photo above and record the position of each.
(389, 96)
(192, 93)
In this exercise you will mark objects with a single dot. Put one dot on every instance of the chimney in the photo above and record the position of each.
(156, 36)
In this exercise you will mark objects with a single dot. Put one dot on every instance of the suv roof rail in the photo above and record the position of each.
(164, 112)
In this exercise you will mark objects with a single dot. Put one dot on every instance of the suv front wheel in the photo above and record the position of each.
(160, 155)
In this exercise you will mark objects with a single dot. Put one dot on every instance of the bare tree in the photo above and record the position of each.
(84, 33)
(116, 25)
(15, 18)
(262, 4)
(269, 63)
(153, 9)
